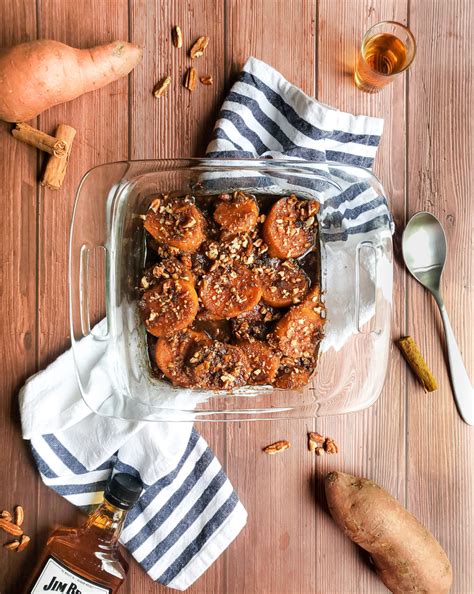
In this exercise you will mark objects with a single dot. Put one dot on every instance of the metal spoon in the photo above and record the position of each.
(424, 252)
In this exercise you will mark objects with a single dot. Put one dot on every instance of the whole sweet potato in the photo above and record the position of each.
(407, 557)
(35, 76)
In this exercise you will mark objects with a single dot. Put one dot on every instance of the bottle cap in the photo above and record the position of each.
(123, 490)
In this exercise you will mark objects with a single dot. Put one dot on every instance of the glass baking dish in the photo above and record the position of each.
(107, 254)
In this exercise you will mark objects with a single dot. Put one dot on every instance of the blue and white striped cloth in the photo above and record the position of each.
(265, 116)
(189, 513)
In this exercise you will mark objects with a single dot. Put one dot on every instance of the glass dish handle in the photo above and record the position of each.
(377, 252)
(90, 259)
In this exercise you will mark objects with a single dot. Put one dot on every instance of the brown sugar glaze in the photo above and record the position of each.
(254, 304)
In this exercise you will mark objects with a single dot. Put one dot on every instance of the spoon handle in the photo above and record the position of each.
(462, 388)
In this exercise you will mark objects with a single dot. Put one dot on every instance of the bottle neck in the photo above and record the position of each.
(107, 522)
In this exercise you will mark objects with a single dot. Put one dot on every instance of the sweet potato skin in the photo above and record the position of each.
(37, 75)
(406, 555)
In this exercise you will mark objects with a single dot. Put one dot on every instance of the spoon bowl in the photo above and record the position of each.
(424, 249)
(424, 252)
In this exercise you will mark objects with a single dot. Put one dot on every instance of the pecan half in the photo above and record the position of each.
(19, 515)
(12, 546)
(190, 79)
(177, 37)
(10, 527)
(24, 542)
(198, 47)
(6, 515)
(206, 80)
(278, 446)
(330, 446)
(314, 440)
(161, 87)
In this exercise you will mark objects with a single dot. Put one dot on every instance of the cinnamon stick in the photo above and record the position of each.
(40, 140)
(56, 167)
(419, 366)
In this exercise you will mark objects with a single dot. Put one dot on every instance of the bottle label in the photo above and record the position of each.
(56, 577)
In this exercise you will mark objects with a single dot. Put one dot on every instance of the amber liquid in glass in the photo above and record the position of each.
(85, 559)
(382, 56)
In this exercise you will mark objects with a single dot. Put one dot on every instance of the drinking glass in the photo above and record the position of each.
(388, 48)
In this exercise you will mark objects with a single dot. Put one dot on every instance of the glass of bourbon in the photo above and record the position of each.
(388, 48)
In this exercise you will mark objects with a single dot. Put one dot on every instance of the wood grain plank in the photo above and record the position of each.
(440, 153)
(101, 120)
(18, 305)
(372, 442)
(276, 551)
(177, 125)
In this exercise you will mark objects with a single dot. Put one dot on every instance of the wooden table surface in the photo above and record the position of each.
(412, 443)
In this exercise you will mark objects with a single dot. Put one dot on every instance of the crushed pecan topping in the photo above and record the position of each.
(226, 311)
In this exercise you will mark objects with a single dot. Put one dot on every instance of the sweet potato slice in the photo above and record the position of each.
(172, 267)
(283, 283)
(255, 323)
(219, 366)
(176, 222)
(299, 332)
(170, 306)
(289, 229)
(238, 214)
(172, 353)
(263, 361)
(228, 291)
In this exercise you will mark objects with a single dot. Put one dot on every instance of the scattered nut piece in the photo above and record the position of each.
(161, 87)
(314, 439)
(12, 546)
(24, 542)
(278, 446)
(10, 527)
(206, 80)
(6, 515)
(319, 451)
(198, 47)
(330, 446)
(190, 79)
(19, 515)
(177, 37)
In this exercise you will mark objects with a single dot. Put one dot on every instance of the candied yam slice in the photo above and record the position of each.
(176, 222)
(299, 332)
(172, 267)
(238, 214)
(219, 366)
(170, 306)
(283, 283)
(289, 228)
(171, 354)
(254, 323)
(262, 359)
(228, 291)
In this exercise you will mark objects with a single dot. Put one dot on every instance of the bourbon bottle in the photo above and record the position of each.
(87, 560)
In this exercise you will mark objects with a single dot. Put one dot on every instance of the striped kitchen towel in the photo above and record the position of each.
(188, 512)
(265, 116)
